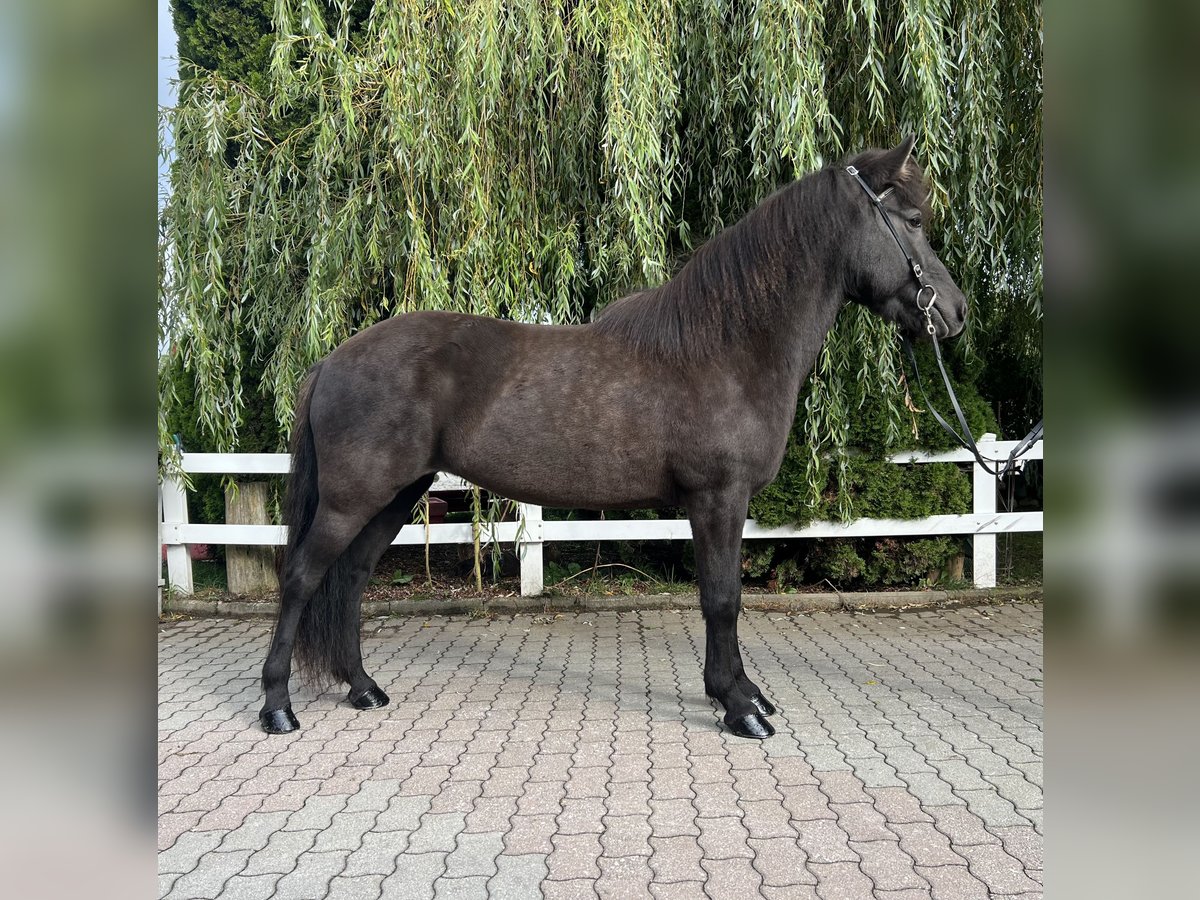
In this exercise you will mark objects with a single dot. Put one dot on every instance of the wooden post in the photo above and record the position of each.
(179, 563)
(250, 570)
(983, 499)
(530, 553)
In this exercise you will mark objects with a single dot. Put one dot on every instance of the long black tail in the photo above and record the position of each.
(321, 651)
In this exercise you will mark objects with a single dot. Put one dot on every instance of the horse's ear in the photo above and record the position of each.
(897, 158)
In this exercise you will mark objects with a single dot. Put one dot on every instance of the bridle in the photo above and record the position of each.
(965, 439)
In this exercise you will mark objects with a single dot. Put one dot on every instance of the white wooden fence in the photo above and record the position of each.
(983, 522)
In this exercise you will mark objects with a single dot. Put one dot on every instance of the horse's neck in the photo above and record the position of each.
(802, 286)
(803, 307)
(792, 349)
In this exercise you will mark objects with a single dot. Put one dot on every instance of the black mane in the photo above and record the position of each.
(726, 291)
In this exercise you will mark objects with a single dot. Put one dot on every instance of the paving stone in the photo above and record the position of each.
(781, 862)
(475, 855)
(437, 832)
(994, 810)
(518, 876)
(574, 889)
(825, 758)
(876, 772)
(679, 890)
(791, 770)
(403, 814)
(530, 834)
(506, 729)
(377, 854)
(626, 836)
(584, 816)
(840, 881)
(250, 887)
(767, 819)
(792, 892)
(358, 887)
(723, 838)
(732, 877)
(715, 769)
(953, 883)
(587, 782)
(825, 841)
(805, 802)
(676, 859)
(623, 877)
(414, 879)
(906, 894)
(960, 775)
(718, 799)
(542, 798)
(1022, 842)
(345, 831)
(575, 856)
(842, 787)
(491, 814)
(887, 865)
(311, 876)
(862, 822)
(1018, 790)
(184, 854)
(670, 818)
(898, 805)
(209, 876)
(673, 784)
(926, 845)
(470, 888)
(1002, 873)
(961, 826)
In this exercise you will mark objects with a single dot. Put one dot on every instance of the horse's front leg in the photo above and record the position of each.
(717, 521)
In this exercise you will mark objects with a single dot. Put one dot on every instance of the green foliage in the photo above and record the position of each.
(855, 480)
(233, 37)
(837, 561)
(895, 562)
(556, 573)
(535, 159)
(890, 562)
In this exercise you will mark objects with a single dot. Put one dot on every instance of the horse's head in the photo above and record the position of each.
(892, 270)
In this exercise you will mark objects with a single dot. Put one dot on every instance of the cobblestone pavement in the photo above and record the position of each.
(577, 756)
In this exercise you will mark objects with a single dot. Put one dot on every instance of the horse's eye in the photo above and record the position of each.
(915, 221)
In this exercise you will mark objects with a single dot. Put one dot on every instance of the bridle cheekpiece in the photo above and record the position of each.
(913, 265)
(965, 439)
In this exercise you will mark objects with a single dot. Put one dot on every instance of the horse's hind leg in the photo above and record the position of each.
(364, 554)
(328, 537)
(717, 521)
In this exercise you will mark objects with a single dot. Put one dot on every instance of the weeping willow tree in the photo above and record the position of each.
(535, 159)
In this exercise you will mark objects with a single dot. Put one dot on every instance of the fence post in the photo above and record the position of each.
(530, 553)
(179, 563)
(158, 553)
(983, 502)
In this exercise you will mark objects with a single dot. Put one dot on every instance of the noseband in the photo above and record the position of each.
(965, 439)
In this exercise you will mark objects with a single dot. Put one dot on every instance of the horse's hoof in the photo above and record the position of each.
(278, 721)
(371, 698)
(751, 726)
(765, 706)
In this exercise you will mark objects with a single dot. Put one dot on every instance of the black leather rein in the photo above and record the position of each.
(965, 439)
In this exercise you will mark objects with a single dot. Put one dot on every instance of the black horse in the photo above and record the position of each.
(680, 395)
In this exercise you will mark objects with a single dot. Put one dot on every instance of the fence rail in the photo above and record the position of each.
(531, 533)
